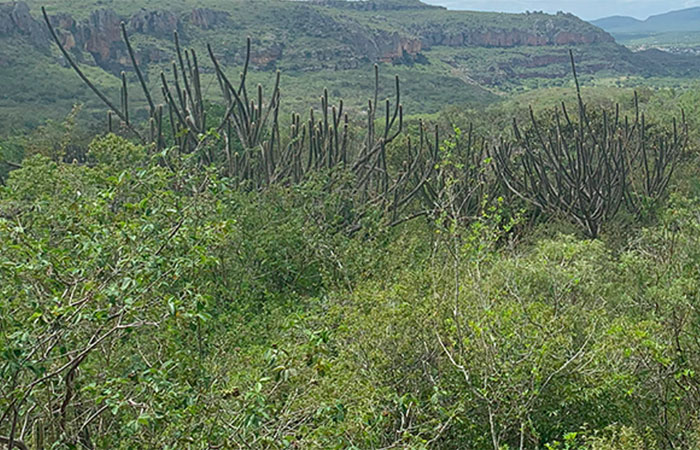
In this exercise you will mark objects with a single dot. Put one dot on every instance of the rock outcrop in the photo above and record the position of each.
(155, 23)
(330, 41)
(207, 19)
(345, 43)
(16, 19)
(103, 37)
(392, 47)
(512, 38)
(99, 35)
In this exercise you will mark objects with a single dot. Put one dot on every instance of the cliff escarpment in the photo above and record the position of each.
(444, 57)
(304, 36)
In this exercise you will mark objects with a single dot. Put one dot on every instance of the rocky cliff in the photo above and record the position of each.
(370, 31)
(207, 18)
(375, 5)
(15, 18)
(511, 38)
(445, 57)
(99, 35)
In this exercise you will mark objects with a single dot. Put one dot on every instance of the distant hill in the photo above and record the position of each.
(617, 23)
(675, 32)
(674, 21)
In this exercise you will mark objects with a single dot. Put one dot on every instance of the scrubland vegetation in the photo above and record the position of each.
(219, 276)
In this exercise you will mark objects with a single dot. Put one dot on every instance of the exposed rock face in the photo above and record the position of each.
(358, 49)
(514, 38)
(103, 37)
(393, 47)
(156, 23)
(15, 18)
(330, 41)
(99, 35)
(346, 44)
(207, 19)
(70, 34)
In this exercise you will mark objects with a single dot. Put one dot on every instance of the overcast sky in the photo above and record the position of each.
(586, 9)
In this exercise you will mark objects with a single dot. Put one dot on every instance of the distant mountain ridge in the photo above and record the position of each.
(673, 21)
(617, 22)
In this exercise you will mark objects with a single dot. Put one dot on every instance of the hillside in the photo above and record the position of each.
(613, 23)
(676, 32)
(674, 21)
(444, 57)
(530, 282)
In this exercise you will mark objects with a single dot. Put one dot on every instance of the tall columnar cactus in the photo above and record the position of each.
(586, 169)
(460, 184)
(653, 160)
(119, 112)
(254, 121)
(370, 164)
(251, 148)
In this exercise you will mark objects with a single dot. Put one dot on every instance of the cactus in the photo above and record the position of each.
(119, 112)
(253, 151)
(585, 169)
(38, 434)
(652, 161)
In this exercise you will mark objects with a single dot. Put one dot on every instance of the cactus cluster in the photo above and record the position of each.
(251, 148)
(588, 169)
(585, 168)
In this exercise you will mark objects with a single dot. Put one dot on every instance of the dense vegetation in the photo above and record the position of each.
(205, 273)
(162, 306)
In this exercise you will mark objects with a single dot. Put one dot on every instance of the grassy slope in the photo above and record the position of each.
(35, 88)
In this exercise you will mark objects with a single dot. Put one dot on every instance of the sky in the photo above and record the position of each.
(586, 9)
